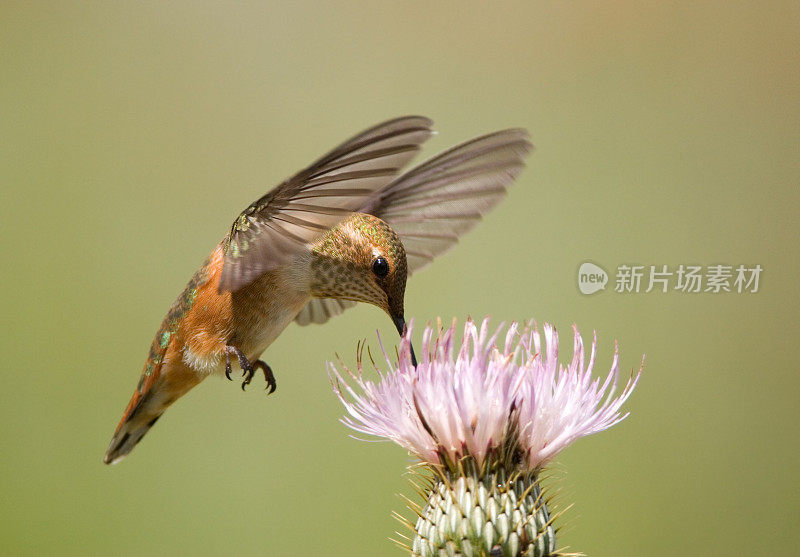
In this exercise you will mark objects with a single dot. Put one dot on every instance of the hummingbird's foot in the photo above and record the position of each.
(244, 363)
(248, 369)
(269, 377)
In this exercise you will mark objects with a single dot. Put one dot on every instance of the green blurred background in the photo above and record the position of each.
(132, 134)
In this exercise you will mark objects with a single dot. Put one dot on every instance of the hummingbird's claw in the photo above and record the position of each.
(269, 377)
(244, 363)
(247, 372)
(228, 366)
(248, 369)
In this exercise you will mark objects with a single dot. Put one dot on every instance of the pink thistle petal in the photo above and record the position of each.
(462, 404)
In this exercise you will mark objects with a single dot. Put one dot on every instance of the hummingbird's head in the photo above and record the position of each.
(362, 259)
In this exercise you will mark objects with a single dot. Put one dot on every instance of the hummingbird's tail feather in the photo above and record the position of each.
(127, 436)
(155, 394)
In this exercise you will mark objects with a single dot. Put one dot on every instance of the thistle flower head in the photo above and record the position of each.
(514, 406)
(486, 420)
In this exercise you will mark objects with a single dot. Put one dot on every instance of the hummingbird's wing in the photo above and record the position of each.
(319, 310)
(433, 204)
(281, 223)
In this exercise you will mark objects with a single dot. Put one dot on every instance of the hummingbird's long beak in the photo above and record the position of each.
(400, 323)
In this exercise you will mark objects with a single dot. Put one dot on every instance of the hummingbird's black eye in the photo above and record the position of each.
(380, 267)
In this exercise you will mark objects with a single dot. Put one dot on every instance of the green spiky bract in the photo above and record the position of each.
(480, 511)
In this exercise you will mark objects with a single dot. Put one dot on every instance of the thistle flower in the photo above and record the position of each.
(484, 421)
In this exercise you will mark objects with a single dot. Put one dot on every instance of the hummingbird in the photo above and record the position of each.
(346, 229)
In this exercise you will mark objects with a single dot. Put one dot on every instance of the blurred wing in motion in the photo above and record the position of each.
(319, 310)
(282, 222)
(430, 206)
(433, 204)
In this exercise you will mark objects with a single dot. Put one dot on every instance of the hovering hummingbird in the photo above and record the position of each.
(346, 229)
